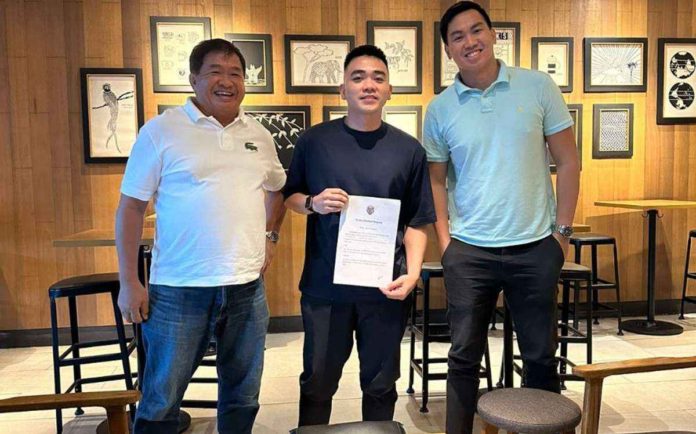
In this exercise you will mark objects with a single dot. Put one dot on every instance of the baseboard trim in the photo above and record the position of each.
(280, 324)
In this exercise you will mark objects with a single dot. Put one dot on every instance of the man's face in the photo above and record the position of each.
(366, 85)
(470, 42)
(219, 85)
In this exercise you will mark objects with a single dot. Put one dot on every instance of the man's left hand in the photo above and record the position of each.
(400, 288)
(270, 252)
(563, 241)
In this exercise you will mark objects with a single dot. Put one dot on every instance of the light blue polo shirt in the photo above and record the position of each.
(499, 185)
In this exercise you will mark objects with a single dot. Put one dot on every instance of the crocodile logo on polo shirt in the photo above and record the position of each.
(250, 146)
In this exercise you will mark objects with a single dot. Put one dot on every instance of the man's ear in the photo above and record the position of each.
(192, 79)
(342, 91)
(447, 51)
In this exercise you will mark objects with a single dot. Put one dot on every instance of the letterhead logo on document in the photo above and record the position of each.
(370, 209)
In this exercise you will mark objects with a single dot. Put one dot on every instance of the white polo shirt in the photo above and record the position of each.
(208, 185)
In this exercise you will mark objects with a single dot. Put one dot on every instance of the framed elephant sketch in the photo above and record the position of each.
(172, 39)
(257, 50)
(314, 63)
(401, 42)
(112, 112)
(676, 81)
(285, 123)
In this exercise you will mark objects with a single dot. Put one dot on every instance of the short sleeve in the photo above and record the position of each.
(275, 174)
(297, 177)
(144, 168)
(418, 205)
(556, 115)
(435, 146)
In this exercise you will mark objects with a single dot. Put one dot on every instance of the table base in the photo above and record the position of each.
(184, 423)
(654, 328)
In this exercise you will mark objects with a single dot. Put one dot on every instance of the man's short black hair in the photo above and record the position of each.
(365, 50)
(457, 9)
(212, 45)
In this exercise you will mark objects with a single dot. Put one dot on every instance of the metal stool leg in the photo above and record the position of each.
(595, 280)
(414, 312)
(618, 289)
(590, 294)
(74, 341)
(56, 362)
(489, 376)
(686, 279)
(122, 344)
(565, 317)
(426, 340)
(576, 288)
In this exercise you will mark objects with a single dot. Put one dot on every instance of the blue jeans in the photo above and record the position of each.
(181, 324)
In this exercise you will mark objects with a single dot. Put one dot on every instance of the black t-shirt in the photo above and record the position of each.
(385, 163)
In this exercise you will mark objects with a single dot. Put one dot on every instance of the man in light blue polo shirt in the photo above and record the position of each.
(486, 141)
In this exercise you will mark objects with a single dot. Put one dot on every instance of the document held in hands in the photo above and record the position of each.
(366, 242)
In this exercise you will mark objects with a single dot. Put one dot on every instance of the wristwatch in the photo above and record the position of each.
(566, 231)
(308, 203)
(273, 236)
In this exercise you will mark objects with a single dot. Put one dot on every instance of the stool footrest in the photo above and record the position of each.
(691, 275)
(690, 299)
(89, 359)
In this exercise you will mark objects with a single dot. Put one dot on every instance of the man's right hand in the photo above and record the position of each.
(330, 200)
(134, 302)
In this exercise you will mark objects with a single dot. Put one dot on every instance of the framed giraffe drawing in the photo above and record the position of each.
(112, 112)
(402, 44)
(314, 63)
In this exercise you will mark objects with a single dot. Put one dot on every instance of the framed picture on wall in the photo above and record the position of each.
(257, 50)
(407, 118)
(171, 40)
(615, 64)
(401, 42)
(676, 81)
(507, 42)
(554, 56)
(445, 68)
(612, 131)
(285, 123)
(575, 111)
(314, 64)
(112, 112)
(331, 112)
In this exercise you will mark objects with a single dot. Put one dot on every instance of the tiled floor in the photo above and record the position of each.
(664, 401)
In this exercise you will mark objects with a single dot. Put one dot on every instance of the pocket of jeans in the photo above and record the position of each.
(558, 247)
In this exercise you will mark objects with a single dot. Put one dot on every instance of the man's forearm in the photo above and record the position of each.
(275, 210)
(567, 190)
(438, 184)
(415, 241)
(296, 202)
(129, 230)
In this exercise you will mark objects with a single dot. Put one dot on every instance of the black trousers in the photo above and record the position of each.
(528, 275)
(329, 327)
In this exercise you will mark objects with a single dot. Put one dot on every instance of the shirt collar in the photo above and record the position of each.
(195, 114)
(503, 77)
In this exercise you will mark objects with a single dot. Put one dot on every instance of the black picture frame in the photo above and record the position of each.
(597, 129)
(328, 110)
(439, 83)
(619, 59)
(408, 78)
(332, 65)
(257, 49)
(507, 26)
(285, 123)
(552, 67)
(678, 81)
(175, 56)
(575, 111)
(101, 104)
(415, 110)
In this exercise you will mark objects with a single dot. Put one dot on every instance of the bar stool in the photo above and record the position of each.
(600, 309)
(687, 275)
(73, 287)
(529, 411)
(432, 332)
(382, 427)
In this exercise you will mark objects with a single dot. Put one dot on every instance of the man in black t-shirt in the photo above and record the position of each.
(356, 155)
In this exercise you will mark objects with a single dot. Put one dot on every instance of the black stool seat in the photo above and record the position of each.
(586, 238)
(389, 427)
(83, 285)
(573, 271)
(692, 233)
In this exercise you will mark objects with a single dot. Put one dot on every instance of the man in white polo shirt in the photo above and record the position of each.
(208, 168)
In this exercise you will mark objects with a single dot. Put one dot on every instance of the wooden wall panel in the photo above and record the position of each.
(47, 191)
